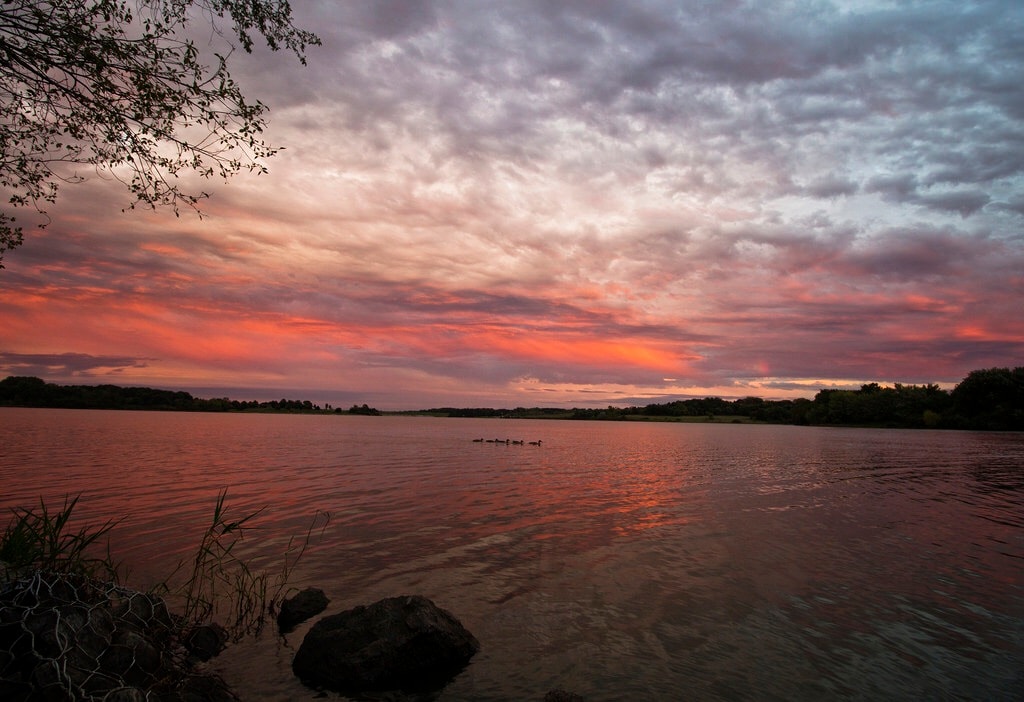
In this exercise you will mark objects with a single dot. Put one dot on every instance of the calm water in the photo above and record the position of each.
(617, 560)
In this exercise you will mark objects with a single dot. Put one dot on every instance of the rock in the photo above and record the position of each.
(65, 637)
(201, 687)
(298, 609)
(400, 643)
(206, 641)
(125, 694)
(558, 695)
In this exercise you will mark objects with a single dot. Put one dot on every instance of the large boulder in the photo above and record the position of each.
(295, 610)
(400, 643)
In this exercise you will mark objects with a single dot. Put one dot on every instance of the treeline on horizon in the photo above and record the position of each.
(989, 399)
(29, 391)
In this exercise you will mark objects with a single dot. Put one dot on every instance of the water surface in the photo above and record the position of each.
(616, 560)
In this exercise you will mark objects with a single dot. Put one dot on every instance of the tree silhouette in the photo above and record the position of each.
(119, 86)
(992, 398)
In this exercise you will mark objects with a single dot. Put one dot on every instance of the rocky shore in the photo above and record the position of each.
(68, 637)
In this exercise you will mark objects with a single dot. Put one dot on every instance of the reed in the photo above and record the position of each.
(218, 582)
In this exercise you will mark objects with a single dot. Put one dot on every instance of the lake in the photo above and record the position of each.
(643, 561)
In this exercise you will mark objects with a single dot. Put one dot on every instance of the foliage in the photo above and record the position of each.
(119, 86)
(899, 406)
(42, 540)
(28, 391)
(985, 399)
(991, 399)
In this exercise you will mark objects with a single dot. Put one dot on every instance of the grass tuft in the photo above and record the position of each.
(222, 585)
(40, 539)
(219, 583)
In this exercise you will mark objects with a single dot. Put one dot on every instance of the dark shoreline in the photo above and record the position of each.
(991, 399)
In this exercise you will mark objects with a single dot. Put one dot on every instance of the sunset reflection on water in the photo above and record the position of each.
(619, 560)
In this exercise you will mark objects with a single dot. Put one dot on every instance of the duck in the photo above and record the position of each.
(535, 443)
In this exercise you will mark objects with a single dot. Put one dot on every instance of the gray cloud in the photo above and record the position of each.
(749, 83)
(964, 202)
(831, 186)
(915, 253)
(1015, 205)
(67, 365)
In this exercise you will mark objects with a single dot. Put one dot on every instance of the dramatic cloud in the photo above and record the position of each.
(573, 202)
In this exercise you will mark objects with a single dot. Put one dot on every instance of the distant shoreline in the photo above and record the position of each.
(991, 399)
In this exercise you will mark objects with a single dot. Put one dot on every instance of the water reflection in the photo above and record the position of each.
(617, 560)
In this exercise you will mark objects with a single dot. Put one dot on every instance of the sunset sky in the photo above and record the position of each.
(575, 203)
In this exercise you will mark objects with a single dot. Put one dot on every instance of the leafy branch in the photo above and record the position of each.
(119, 86)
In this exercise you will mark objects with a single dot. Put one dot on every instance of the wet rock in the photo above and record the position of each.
(400, 643)
(117, 660)
(295, 610)
(206, 641)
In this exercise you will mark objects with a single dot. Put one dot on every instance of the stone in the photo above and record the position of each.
(400, 643)
(125, 694)
(202, 688)
(559, 695)
(206, 641)
(295, 610)
(64, 637)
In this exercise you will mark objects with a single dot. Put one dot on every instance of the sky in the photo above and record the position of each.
(570, 203)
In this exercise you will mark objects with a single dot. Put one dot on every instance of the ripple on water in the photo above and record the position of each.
(617, 560)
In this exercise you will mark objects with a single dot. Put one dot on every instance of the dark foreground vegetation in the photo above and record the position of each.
(990, 399)
(71, 630)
